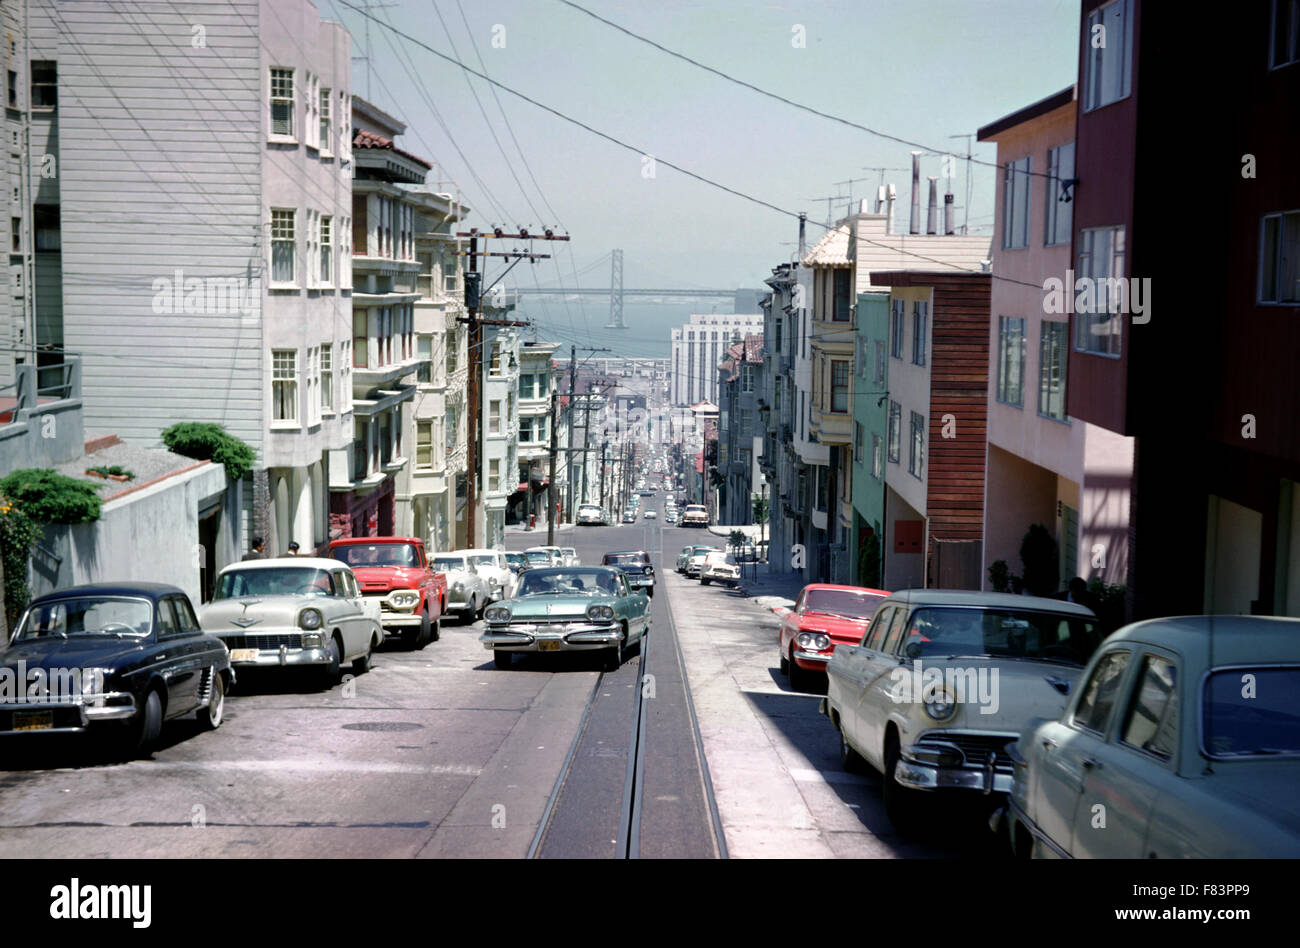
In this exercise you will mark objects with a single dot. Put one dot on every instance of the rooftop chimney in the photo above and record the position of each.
(864, 206)
(880, 199)
(947, 213)
(892, 196)
(932, 209)
(803, 219)
(914, 225)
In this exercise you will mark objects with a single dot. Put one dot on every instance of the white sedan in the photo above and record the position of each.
(493, 567)
(651, 515)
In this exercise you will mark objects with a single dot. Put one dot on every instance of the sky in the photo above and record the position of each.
(922, 70)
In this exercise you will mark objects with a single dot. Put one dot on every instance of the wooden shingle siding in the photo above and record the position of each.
(959, 373)
(160, 170)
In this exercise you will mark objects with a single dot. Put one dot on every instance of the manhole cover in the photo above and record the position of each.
(383, 726)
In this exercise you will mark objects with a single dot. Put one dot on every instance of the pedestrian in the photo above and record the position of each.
(293, 548)
(258, 551)
(1077, 591)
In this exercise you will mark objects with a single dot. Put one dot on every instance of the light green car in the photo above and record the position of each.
(568, 609)
(1183, 741)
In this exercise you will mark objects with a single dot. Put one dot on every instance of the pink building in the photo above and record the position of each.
(1044, 467)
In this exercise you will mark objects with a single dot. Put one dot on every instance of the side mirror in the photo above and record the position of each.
(912, 649)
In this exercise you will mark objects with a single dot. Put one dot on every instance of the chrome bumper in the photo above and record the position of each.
(95, 709)
(811, 656)
(283, 655)
(571, 638)
(399, 620)
(926, 776)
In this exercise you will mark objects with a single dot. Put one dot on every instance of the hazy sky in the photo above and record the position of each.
(923, 70)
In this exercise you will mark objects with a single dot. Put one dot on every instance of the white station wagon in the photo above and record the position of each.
(1183, 742)
(296, 610)
(945, 680)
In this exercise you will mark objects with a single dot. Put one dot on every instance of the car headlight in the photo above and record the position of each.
(940, 703)
(497, 614)
(312, 640)
(647, 570)
(310, 619)
(92, 680)
(404, 599)
(814, 641)
(603, 613)
(459, 584)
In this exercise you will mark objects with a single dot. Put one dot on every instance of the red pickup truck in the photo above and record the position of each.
(395, 570)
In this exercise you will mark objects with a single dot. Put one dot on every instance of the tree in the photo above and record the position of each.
(17, 534)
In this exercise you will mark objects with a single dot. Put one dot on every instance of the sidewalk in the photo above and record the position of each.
(540, 528)
(774, 592)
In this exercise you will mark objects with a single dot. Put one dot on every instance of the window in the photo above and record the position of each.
(896, 329)
(1101, 261)
(916, 461)
(1015, 204)
(283, 245)
(424, 444)
(920, 331)
(345, 125)
(494, 367)
(858, 438)
(746, 378)
(327, 378)
(17, 225)
(1107, 55)
(360, 339)
(839, 385)
(1285, 47)
(1060, 213)
(879, 377)
(528, 387)
(345, 254)
(326, 241)
(13, 95)
(1099, 693)
(312, 234)
(284, 384)
(895, 426)
(423, 352)
(494, 475)
(452, 422)
(1152, 723)
(875, 636)
(840, 311)
(311, 106)
(1279, 258)
(345, 376)
(1011, 360)
(282, 103)
(45, 84)
(1052, 358)
(877, 458)
(326, 132)
(494, 416)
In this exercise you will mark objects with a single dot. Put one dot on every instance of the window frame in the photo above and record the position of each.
(1083, 321)
(1073, 720)
(1058, 216)
(325, 250)
(1278, 257)
(1044, 363)
(1088, 96)
(1017, 182)
(916, 441)
(839, 367)
(920, 331)
(292, 100)
(1006, 339)
(291, 382)
(291, 240)
(327, 379)
(895, 432)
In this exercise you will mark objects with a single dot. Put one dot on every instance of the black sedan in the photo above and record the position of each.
(636, 566)
(120, 658)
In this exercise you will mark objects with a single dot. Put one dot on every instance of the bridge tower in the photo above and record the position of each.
(616, 291)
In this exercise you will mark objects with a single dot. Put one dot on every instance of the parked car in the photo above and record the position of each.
(590, 515)
(944, 681)
(395, 572)
(568, 609)
(696, 561)
(651, 515)
(557, 557)
(517, 562)
(294, 611)
(119, 659)
(719, 567)
(684, 557)
(1182, 742)
(695, 515)
(468, 590)
(571, 557)
(493, 567)
(629, 517)
(636, 566)
(824, 616)
(670, 517)
(537, 559)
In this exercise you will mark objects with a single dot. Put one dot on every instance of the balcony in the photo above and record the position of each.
(368, 377)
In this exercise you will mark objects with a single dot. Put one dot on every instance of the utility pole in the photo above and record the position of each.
(473, 297)
(568, 456)
(550, 487)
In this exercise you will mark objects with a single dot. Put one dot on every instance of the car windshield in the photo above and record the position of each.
(275, 581)
(1248, 712)
(568, 582)
(446, 564)
(377, 554)
(515, 558)
(842, 602)
(485, 559)
(91, 615)
(1001, 633)
(569, 551)
(626, 559)
(537, 556)
(720, 559)
(704, 550)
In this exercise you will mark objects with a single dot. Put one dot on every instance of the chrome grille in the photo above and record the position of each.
(291, 640)
(975, 748)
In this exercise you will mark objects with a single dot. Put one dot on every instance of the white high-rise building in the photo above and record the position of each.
(699, 347)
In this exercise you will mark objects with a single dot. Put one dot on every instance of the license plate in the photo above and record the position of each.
(33, 720)
(548, 645)
(243, 654)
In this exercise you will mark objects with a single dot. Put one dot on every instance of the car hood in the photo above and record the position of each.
(841, 630)
(555, 607)
(385, 578)
(73, 652)
(996, 694)
(263, 611)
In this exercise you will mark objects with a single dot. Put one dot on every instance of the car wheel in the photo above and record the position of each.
(467, 617)
(210, 717)
(148, 725)
(362, 665)
(703, 581)
(435, 629)
(798, 677)
(614, 655)
(501, 658)
(420, 635)
(900, 801)
(850, 759)
(330, 673)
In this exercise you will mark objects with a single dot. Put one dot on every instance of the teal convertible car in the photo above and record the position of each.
(568, 609)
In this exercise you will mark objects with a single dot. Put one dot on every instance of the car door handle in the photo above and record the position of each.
(1091, 763)
(1048, 743)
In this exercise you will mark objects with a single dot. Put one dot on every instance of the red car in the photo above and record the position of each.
(824, 616)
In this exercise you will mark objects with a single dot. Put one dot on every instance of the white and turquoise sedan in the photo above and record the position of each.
(1183, 742)
(568, 609)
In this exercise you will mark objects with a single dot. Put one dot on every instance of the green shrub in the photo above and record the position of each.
(869, 559)
(1000, 576)
(17, 534)
(115, 471)
(51, 497)
(208, 442)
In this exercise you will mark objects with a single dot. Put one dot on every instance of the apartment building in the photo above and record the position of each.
(500, 420)
(190, 238)
(1044, 467)
(776, 401)
(697, 349)
(740, 436)
(536, 386)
